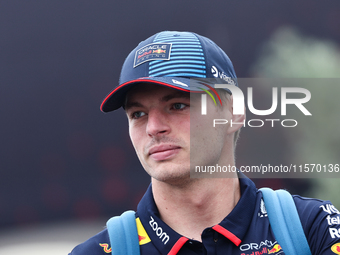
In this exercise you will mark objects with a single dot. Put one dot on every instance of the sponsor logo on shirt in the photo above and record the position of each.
(264, 247)
(263, 251)
(275, 249)
(334, 232)
(333, 220)
(336, 248)
(106, 247)
(263, 211)
(142, 235)
(159, 231)
(329, 208)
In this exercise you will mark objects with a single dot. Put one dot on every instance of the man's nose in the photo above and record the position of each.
(158, 123)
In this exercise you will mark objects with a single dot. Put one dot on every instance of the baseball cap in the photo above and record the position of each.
(179, 60)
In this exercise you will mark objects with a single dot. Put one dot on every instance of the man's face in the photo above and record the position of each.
(159, 127)
(160, 131)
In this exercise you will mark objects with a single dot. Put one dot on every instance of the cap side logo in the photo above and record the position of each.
(152, 51)
(217, 74)
(179, 83)
(214, 71)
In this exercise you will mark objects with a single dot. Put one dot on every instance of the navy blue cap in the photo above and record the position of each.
(173, 59)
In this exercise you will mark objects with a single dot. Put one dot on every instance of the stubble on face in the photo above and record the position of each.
(156, 103)
(175, 130)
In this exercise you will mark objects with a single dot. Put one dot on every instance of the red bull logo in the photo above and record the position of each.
(144, 54)
(336, 248)
(142, 235)
(263, 251)
(141, 238)
(152, 51)
(159, 51)
(275, 249)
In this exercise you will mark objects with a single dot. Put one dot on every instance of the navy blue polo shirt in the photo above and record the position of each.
(245, 231)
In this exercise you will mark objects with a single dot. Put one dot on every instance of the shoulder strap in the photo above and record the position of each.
(123, 234)
(285, 221)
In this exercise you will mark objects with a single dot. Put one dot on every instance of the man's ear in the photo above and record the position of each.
(237, 121)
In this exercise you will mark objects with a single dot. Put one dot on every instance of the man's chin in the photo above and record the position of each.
(170, 173)
(174, 180)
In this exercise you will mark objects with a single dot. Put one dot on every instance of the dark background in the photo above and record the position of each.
(60, 157)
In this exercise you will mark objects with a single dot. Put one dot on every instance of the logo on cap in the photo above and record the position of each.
(152, 51)
(179, 83)
(222, 75)
(214, 71)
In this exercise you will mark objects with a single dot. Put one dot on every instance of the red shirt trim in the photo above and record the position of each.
(178, 245)
(227, 234)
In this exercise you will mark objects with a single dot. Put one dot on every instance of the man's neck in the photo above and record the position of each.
(201, 203)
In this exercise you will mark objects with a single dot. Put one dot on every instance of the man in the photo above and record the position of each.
(183, 215)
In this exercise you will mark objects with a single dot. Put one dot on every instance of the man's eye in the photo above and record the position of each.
(178, 106)
(137, 115)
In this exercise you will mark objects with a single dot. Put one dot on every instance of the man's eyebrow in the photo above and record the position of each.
(178, 94)
(129, 105)
(166, 98)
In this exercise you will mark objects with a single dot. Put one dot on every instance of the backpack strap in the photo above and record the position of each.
(123, 234)
(285, 221)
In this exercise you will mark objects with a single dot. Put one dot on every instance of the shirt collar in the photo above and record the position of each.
(165, 239)
(233, 227)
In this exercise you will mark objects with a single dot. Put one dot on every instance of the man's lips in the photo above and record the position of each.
(163, 152)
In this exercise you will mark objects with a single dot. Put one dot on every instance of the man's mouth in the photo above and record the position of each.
(163, 152)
